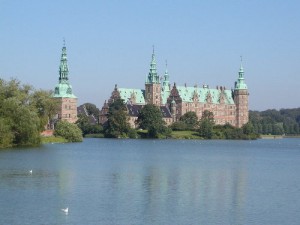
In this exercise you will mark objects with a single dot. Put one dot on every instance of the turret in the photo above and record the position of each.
(152, 84)
(240, 95)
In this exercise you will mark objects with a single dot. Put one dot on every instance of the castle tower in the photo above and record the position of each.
(152, 85)
(240, 95)
(63, 92)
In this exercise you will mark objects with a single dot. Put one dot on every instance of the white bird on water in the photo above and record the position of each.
(30, 171)
(66, 210)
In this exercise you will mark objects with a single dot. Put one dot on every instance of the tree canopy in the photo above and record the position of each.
(117, 120)
(190, 119)
(150, 118)
(206, 125)
(283, 121)
(24, 113)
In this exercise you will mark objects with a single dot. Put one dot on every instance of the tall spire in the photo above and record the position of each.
(63, 67)
(241, 72)
(166, 82)
(152, 76)
(240, 83)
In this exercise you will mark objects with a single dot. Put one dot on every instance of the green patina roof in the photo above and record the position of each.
(127, 93)
(164, 96)
(240, 83)
(63, 89)
(187, 94)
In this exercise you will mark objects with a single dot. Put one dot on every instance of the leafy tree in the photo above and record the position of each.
(6, 135)
(45, 105)
(179, 126)
(206, 125)
(86, 127)
(190, 119)
(117, 120)
(150, 118)
(92, 110)
(21, 122)
(69, 131)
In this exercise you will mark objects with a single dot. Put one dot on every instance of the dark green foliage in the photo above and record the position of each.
(133, 134)
(24, 113)
(206, 128)
(86, 127)
(92, 110)
(284, 121)
(179, 126)
(190, 119)
(206, 125)
(69, 131)
(228, 131)
(150, 118)
(117, 123)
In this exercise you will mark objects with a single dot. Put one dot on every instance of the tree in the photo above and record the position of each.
(86, 127)
(117, 120)
(20, 119)
(190, 119)
(150, 118)
(206, 125)
(92, 110)
(69, 131)
(46, 106)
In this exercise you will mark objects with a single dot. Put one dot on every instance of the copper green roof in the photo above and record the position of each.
(63, 89)
(240, 83)
(153, 77)
(127, 93)
(188, 93)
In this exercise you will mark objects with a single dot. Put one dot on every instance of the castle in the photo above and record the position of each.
(227, 106)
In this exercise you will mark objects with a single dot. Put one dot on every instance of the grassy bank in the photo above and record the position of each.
(185, 135)
(53, 139)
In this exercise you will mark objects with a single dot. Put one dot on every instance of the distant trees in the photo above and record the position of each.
(24, 113)
(276, 122)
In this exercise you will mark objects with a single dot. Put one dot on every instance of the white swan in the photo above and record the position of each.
(30, 171)
(66, 210)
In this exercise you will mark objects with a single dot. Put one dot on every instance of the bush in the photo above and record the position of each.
(69, 131)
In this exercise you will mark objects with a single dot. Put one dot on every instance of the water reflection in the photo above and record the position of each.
(182, 190)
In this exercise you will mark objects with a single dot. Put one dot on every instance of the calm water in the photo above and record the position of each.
(133, 182)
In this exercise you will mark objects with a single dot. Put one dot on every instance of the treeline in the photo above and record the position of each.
(276, 122)
(24, 113)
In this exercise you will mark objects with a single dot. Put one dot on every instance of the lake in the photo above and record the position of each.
(167, 182)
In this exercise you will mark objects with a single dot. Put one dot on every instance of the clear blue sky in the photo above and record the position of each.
(110, 42)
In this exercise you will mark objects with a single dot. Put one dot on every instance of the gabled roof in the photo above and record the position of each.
(188, 93)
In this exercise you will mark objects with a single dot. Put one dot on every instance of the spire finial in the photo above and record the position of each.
(64, 42)
(153, 48)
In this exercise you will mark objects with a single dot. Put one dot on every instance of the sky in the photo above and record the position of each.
(110, 42)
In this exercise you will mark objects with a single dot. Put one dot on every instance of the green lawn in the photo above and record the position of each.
(185, 135)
